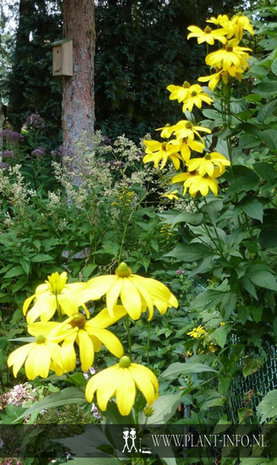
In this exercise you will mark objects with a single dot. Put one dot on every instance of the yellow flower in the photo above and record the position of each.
(182, 130)
(39, 356)
(136, 292)
(233, 71)
(208, 164)
(239, 24)
(230, 55)
(88, 334)
(121, 381)
(195, 183)
(208, 35)
(197, 333)
(193, 96)
(221, 20)
(53, 293)
(179, 92)
(171, 195)
(160, 152)
(235, 26)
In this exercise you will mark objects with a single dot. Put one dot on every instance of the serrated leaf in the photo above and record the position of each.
(176, 369)
(267, 408)
(220, 335)
(254, 209)
(264, 279)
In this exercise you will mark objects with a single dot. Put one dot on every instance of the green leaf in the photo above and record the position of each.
(14, 271)
(41, 257)
(164, 409)
(266, 111)
(266, 87)
(69, 395)
(256, 313)
(189, 253)
(190, 218)
(220, 335)
(269, 137)
(254, 209)
(267, 408)
(248, 286)
(274, 67)
(263, 279)
(88, 269)
(12, 414)
(212, 208)
(251, 365)
(188, 368)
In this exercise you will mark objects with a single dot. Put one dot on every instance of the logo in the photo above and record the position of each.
(130, 442)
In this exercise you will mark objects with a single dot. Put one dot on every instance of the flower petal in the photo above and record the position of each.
(38, 362)
(130, 299)
(18, 357)
(125, 391)
(86, 350)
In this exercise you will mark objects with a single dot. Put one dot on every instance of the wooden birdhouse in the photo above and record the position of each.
(63, 58)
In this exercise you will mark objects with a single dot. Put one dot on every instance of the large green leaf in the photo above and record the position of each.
(70, 395)
(188, 368)
(189, 252)
(263, 279)
(163, 409)
(269, 137)
(190, 218)
(267, 408)
(254, 209)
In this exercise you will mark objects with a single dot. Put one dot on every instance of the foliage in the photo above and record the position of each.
(32, 88)
(216, 253)
(123, 74)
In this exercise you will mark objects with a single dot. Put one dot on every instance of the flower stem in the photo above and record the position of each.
(129, 336)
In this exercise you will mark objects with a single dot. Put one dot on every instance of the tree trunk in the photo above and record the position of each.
(78, 90)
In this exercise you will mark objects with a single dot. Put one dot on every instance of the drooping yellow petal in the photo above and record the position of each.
(86, 350)
(42, 327)
(27, 303)
(67, 353)
(112, 343)
(18, 357)
(44, 307)
(125, 391)
(104, 319)
(108, 386)
(38, 362)
(146, 296)
(97, 287)
(130, 299)
(113, 294)
(146, 382)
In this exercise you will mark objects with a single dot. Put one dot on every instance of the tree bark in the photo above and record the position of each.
(78, 90)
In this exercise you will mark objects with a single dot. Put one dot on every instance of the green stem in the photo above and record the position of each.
(126, 227)
(148, 342)
(129, 336)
